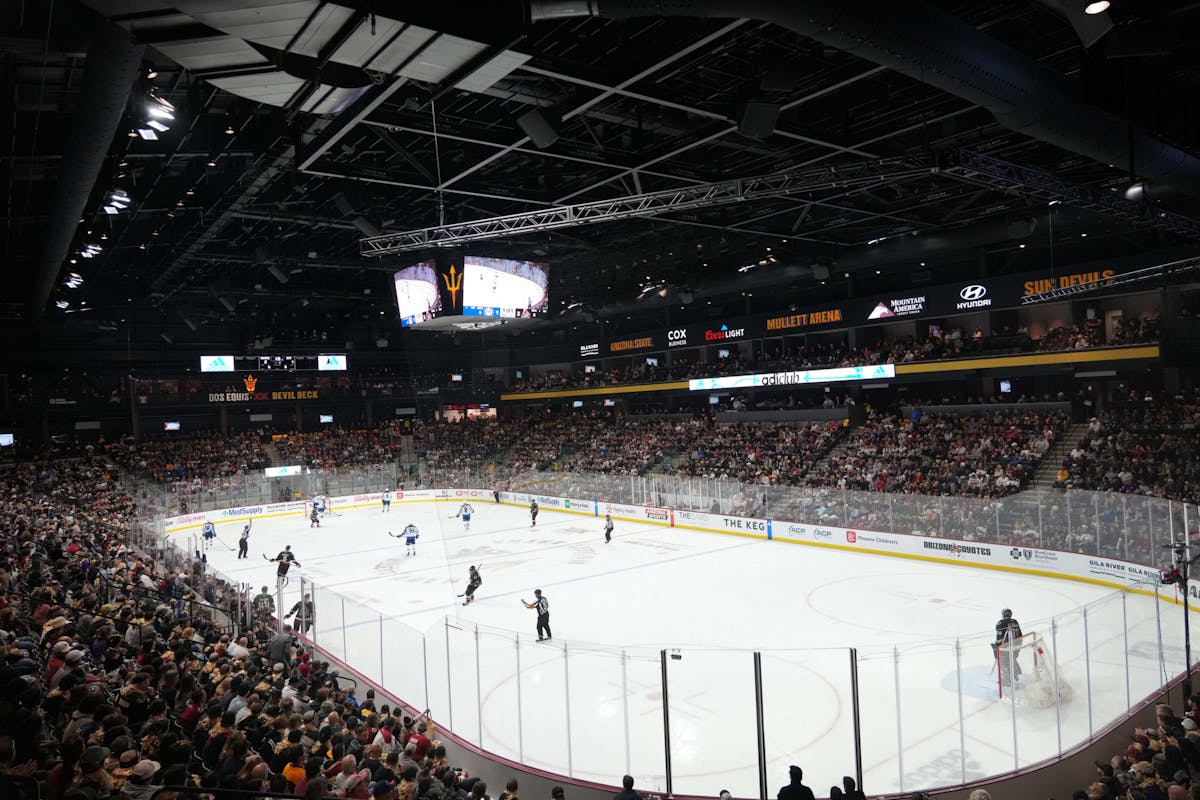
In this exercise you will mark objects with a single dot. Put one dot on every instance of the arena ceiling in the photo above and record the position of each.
(302, 126)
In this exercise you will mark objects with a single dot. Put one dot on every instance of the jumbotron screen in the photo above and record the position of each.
(504, 288)
(417, 297)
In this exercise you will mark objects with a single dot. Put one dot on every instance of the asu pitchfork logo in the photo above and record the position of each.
(453, 280)
(250, 382)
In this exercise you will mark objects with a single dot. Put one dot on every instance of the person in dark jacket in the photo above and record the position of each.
(627, 793)
(796, 790)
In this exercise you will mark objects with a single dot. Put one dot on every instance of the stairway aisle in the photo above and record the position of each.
(1047, 471)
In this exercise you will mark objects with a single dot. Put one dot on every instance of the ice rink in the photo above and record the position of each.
(589, 702)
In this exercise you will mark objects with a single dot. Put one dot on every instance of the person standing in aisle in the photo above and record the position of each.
(533, 509)
(608, 526)
(542, 606)
(387, 501)
(244, 542)
(474, 581)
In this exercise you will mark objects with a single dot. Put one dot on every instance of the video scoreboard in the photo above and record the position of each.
(325, 362)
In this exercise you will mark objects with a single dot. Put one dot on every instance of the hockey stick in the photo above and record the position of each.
(222, 541)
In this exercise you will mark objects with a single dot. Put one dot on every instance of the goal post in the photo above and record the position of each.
(1027, 673)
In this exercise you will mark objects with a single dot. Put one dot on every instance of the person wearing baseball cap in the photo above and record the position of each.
(140, 785)
(383, 790)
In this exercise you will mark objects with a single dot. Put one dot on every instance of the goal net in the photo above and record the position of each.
(1027, 672)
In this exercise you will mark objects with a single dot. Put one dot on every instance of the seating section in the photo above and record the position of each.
(980, 456)
(1147, 445)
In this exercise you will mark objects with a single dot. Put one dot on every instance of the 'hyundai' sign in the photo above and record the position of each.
(973, 296)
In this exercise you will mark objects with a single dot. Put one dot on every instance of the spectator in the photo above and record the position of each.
(795, 789)
(627, 792)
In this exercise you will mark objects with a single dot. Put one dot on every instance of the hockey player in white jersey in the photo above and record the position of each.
(465, 511)
(410, 535)
(386, 499)
(209, 533)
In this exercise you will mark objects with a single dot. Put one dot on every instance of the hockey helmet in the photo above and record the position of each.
(1006, 613)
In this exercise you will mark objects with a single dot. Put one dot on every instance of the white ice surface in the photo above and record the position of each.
(716, 598)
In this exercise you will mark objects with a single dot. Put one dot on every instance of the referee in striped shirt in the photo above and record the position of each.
(543, 611)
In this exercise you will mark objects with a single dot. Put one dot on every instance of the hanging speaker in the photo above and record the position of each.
(343, 205)
(539, 129)
(758, 120)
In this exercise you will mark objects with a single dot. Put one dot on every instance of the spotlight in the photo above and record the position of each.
(151, 73)
(212, 162)
(229, 131)
(1098, 7)
(1136, 191)
(158, 126)
(148, 134)
(132, 134)
(61, 303)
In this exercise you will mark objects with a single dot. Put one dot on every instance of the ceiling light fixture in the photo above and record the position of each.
(148, 134)
(1098, 7)
(158, 126)
(229, 131)
(1021, 246)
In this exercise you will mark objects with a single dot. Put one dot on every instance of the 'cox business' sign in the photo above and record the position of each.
(677, 337)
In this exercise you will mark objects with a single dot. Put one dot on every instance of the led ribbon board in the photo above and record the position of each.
(798, 377)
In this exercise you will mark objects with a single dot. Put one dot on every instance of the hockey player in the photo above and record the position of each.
(410, 535)
(303, 612)
(386, 499)
(264, 607)
(1007, 628)
(313, 518)
(1008, 631)
(542, 605)
(465, 511)
(244, 542)
(533, 509)
(210, 533)
(319, 503)
(474, 581)
(285, 559)
(608, 526)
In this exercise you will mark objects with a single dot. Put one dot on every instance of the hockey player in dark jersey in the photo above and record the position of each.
(285, 559)
(608, 526)
(533, 509)
(474, 581)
